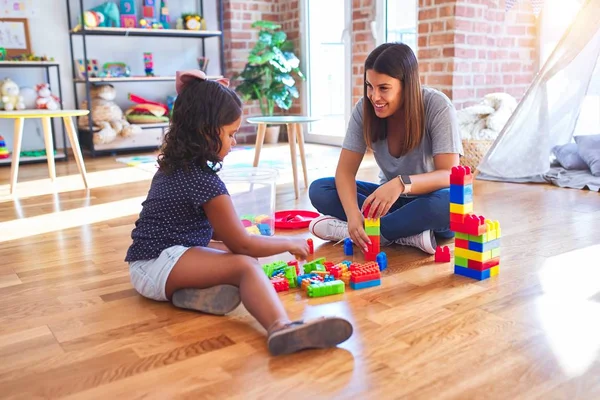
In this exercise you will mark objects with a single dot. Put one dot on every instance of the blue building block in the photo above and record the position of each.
(483, 247)
(382, 261)
(460, 194)
(364, 285)
(264, 229)
(305, 276)
(348, 250)
(471, 273)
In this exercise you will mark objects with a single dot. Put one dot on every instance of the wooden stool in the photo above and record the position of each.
(295, 134)
(44, 115)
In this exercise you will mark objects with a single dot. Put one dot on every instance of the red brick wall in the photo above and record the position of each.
(363, 12)
(469, 48)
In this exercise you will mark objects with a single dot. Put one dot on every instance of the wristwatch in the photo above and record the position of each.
(405, 179)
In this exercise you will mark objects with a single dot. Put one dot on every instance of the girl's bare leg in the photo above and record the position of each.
(204, 268)
(205, 278)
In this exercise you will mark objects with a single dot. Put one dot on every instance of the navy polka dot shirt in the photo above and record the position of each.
(172, 214)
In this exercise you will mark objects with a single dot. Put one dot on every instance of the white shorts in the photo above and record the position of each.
(149, 277)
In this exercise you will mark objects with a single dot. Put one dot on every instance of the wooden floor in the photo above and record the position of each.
(72, 326)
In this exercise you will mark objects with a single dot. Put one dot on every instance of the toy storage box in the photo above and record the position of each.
(252, 191)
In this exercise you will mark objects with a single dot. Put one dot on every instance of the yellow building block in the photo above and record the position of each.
(472, 255)
(461, 208)
(371, 222)
(494, 270)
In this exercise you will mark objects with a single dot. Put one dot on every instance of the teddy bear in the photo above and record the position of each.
(11, 100)
(45, 99)
(107, 117)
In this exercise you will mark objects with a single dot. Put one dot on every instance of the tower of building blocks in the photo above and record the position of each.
(372, 229)
(128, 14)
(477, 240)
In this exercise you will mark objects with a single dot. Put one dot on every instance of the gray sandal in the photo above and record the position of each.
(315, 334)
(217, 300)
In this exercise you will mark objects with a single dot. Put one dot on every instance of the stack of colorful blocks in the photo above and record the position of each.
(364, 276)
(3, 150)
(373, 231)
(477, 242)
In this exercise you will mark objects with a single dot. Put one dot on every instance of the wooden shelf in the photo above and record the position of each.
(146, 32)
(28, 63)
(7, 161)
(136, 79)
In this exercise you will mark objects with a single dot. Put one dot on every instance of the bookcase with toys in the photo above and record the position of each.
(141, 123)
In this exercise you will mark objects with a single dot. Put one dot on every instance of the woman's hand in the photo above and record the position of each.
(356, 230)
(382, 199)
(299, 248)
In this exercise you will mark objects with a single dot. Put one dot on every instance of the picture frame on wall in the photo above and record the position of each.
(14, 36)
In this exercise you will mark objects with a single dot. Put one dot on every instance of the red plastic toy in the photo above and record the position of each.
(442, 254)
(294, 219)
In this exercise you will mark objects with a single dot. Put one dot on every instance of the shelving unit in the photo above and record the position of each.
(133, 144)
(57, 89)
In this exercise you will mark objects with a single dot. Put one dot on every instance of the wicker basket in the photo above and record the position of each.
(474, 151)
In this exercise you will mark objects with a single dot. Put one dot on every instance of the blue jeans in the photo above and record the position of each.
(407, 217)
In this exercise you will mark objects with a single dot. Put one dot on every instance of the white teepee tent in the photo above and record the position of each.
(548, 113)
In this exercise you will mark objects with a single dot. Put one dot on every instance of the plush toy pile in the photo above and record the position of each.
(485, 120)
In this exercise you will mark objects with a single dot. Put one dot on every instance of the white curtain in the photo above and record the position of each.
(548, 113)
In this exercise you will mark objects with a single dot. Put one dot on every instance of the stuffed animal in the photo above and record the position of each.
(107, 117)
(45, 99)
(11, 100)
(110, 13)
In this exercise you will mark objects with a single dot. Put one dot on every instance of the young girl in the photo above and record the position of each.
(188, 205)
(414, 134)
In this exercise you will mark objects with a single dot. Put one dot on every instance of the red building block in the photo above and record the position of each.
(461, 175)
(459, 218)
(473, 225)
(442, 254)
(482, 266)
(364, 274)
(461, 243)
(311, 246)
(280, 284)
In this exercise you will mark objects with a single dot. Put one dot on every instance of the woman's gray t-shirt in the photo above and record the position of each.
(441, 136)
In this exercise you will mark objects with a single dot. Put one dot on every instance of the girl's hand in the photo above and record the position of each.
(382, 199)
(356, 230)
(299, 248)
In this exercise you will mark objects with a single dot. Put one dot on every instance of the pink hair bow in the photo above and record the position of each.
(183, 77)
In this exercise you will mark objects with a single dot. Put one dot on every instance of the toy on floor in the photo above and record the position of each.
(382, 261)
(372, 229)
(364, 276)
(442, 254)
(477, 240)
(294, 219)
(4, 153)
(348, 249)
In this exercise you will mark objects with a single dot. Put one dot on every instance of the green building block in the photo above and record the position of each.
(269, 268)
(291, 276)
(479, 239)
(461, 262)
(326, 288)
(463, 236)
(312, 266)
(373, 230)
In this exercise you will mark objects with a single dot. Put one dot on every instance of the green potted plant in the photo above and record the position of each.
(269, 73)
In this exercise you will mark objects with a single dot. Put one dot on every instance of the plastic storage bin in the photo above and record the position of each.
(252, 191)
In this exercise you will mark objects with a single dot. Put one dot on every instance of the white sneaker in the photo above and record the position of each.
(329, 228)
(424, 241)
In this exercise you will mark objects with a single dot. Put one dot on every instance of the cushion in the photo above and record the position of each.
(568, 156)
(588, 148)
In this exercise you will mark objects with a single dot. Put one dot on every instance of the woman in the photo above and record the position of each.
(413, 132)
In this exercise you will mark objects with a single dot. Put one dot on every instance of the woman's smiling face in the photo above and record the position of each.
(384, 92)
